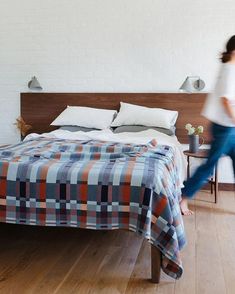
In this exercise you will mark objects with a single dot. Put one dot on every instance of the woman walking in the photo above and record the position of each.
(219, 108)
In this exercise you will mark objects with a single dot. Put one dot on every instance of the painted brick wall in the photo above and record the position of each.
(107, 45)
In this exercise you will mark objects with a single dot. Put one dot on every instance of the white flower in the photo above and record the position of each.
(191, 131)
(188, 127)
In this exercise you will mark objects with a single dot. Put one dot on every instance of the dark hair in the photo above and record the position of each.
(230, 47)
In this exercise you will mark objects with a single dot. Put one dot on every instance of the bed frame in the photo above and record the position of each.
(40, 109)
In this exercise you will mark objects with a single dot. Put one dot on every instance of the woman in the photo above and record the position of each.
(220, 110)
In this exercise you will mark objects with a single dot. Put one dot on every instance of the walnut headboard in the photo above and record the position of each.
(40, 109)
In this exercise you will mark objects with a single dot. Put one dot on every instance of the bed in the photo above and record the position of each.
(98, 180)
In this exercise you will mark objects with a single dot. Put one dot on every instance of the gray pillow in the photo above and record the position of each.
(76, 129)
(134, 129)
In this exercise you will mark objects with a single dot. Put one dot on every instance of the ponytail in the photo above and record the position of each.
(230, 48)
(225, 57)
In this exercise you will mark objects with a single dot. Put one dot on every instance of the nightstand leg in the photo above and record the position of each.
(212, 184)
(188, 168)
(216, 184)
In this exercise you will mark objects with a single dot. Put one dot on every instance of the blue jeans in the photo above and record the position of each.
(223, 143)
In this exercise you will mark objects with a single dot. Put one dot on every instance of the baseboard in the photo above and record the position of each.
(222, 187)
(226, 187)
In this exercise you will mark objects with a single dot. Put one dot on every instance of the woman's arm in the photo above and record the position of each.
(228, 108)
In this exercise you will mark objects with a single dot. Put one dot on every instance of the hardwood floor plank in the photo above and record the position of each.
(210, 278)
(82, 275)
(53, 260)
(116, 267)
(187, 283)
(139, 281)
(38, 255)
(225, 225)
(105, 265)
(74, 247)
(16, 256)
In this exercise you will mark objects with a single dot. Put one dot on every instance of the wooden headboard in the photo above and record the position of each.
(40, 109)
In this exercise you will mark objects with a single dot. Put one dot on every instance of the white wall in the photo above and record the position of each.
(107, 45)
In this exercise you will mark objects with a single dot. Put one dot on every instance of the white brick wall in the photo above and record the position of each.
(107, 45)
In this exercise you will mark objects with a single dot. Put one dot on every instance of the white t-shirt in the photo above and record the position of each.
(225, 87)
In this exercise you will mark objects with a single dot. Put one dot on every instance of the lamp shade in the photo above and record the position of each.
(34, 84)
(192, 84)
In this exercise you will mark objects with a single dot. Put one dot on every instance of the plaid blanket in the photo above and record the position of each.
(95, 185)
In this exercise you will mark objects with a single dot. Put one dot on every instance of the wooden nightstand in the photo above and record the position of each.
(203, 154)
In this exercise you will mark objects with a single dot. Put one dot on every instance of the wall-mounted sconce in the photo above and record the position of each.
(192, 85)
(34, 84)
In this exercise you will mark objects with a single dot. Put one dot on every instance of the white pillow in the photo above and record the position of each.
(131, 114)
(85, 117)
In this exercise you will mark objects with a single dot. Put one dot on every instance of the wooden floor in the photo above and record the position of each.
(53, 260)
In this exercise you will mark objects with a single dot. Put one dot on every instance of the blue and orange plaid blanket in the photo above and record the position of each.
(95, 185)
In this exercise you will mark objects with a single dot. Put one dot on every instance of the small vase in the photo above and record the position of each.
(194, 143)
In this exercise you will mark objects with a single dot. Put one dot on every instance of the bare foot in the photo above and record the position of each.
(184, 207)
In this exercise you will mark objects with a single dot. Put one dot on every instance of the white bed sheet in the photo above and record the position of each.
(128, 137)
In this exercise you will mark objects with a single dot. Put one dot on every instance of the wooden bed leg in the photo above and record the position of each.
(155, 264)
